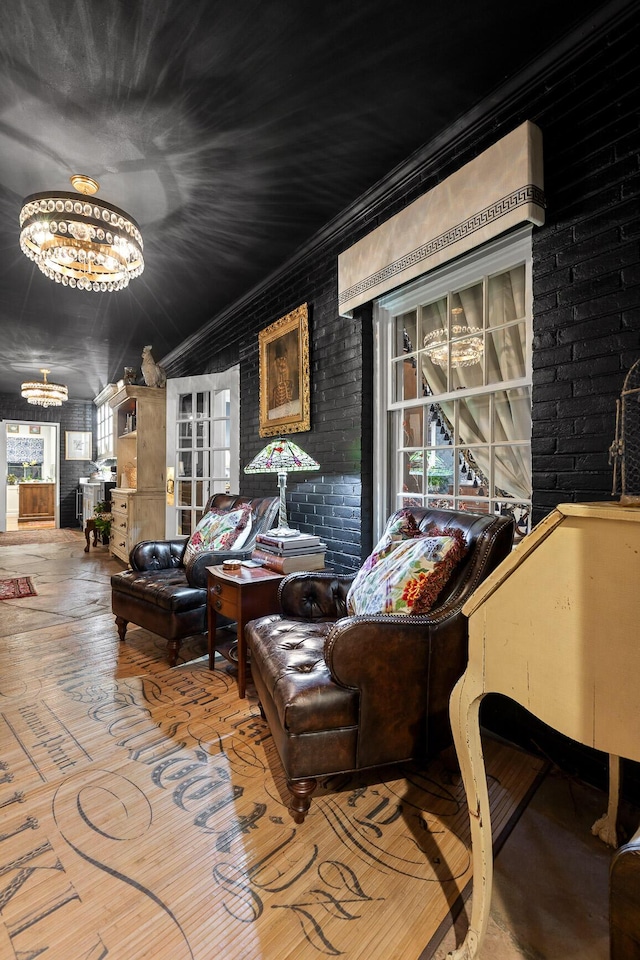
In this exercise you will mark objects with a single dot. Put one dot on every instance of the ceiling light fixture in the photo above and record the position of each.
(465, 346)
(44, 394)
(81, 243)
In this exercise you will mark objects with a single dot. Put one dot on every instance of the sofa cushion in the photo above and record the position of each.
(219, 530)
(405, 576)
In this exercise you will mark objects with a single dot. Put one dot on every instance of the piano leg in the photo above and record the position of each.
(464, 710)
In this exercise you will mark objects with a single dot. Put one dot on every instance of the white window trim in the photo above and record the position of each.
(494, 257)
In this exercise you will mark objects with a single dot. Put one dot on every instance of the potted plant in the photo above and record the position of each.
(12, 479)
(103, 520)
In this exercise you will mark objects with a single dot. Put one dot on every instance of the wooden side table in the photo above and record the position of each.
(242, 596)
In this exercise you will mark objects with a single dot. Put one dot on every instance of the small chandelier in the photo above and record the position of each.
(466, 350)
(81, 243)
(44, 394)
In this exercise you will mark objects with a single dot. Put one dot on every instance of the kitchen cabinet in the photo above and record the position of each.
(36, 501)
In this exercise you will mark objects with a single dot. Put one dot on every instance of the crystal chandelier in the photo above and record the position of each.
(44, 394)
(466, 349)
(82, 243)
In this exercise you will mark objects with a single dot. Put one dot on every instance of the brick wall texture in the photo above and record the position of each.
(586, 300)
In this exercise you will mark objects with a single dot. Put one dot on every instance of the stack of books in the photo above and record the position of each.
(289, 554)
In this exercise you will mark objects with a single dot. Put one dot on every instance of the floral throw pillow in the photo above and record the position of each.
(405, 576)
(219, 530)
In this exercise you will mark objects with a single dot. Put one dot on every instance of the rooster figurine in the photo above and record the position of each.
(152, 373)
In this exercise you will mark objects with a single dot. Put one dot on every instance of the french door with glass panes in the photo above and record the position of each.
(202, 445)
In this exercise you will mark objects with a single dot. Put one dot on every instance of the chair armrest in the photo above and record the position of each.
(314, 596)
(404, 669)
(196, 570)
(157, 554)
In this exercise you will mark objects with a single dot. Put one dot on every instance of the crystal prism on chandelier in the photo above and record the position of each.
(44, 394)
(84, 243)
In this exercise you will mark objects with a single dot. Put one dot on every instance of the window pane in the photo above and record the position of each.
(412, 472)
(477, 506)
(185, 406)
(221, 403)
(475, 465)
(405, 336)
(202, 405)
(512, 415)
(185, 434)
(440, 471)
(406, 380)
(506, 354)
(184, 464)
(474, 419)
(412, 427)
(506, 297)
(202, 434)
(512, 471)
(201, 492)
(201, 463)
(221, 464)
(184, 493)
(184, 523)
(220, 430)
(433, 317)
(439, 428)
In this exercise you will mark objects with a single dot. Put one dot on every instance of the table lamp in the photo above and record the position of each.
(282, 457)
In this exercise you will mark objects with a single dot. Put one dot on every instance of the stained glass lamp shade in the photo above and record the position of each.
(282, 457)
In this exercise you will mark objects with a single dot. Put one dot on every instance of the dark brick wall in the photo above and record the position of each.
(334, 501)
(586, 299)
(586, 270)
(72, 415)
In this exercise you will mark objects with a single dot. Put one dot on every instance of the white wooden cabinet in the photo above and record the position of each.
(138, 502)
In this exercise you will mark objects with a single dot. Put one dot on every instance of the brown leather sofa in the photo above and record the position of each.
(344, 693)
(160, 594)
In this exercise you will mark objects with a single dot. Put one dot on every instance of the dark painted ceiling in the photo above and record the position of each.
(231, 130)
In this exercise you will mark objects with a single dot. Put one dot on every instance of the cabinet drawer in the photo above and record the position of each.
(118, 544)
(119, 504)
(224, 599)
(119, 521)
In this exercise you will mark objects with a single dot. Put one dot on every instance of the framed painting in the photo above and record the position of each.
(284, 375)
(78, 444)
(34, 430)
(13, 428)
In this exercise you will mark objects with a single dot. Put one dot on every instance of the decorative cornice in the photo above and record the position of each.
(523, 195)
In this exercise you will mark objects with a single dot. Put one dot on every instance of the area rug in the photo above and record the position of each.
(146, 816)
(15, 538)
(16, 587)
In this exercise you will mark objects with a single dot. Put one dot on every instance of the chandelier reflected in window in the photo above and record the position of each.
(84, 243)
(465, 346)
(44, 394)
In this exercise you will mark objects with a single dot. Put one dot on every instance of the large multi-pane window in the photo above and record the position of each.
(454, 381)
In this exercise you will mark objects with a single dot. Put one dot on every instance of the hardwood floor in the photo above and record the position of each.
(144, 814)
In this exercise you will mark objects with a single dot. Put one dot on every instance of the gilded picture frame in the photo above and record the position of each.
(284, 375)
(78, 444)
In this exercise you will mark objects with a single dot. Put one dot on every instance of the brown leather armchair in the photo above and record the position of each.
(160, 594)
(344, 693)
